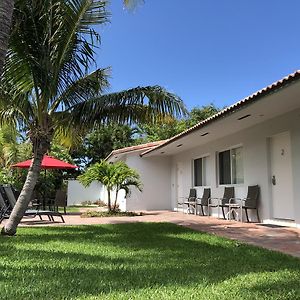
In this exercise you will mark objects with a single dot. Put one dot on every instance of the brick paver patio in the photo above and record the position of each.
(284, 239)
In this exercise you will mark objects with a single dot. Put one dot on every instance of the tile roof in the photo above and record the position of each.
(233, 108)
(146, 146)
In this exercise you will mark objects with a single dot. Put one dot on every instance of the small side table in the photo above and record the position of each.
(237, 209)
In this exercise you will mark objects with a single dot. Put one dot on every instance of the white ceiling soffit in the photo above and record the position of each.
(279, 102)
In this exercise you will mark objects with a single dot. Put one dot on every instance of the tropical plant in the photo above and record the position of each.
(99, 142)
(6, 11)
(114, 177)
(198, 114)
(169, 127)
(46, 90)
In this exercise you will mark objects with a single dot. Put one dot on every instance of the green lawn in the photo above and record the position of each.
(140, 261)
(71, 209)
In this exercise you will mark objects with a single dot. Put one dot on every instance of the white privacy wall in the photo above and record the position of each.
(155, 175)
(121, 201)
(77, 193)
(255, 159)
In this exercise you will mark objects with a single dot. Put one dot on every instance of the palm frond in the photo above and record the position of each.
(136, 105)
(86, 87)
(52, 45)
(76, 52)
(131, 4)
(68, 136)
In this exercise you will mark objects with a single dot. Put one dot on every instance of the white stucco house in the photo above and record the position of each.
(254, 141)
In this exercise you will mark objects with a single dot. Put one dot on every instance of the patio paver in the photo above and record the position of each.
(283, 239)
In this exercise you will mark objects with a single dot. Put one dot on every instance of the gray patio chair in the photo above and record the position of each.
(30, 212)
(251, 200)
(61, 200)
(189, 201)
(222, 202)
(203, 202)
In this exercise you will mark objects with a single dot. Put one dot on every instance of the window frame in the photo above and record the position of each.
(231, 169)
(204, 156)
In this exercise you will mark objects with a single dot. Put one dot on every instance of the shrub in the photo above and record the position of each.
(102, 214)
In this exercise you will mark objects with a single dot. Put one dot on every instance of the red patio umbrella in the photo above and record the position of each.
(48, 162)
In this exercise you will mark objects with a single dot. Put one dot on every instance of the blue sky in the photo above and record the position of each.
(203, 50)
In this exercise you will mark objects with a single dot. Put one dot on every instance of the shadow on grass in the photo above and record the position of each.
(82, 261)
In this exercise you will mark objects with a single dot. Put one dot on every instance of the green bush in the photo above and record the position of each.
(102, 214)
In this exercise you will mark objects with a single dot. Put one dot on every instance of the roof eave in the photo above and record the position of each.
(275, 87)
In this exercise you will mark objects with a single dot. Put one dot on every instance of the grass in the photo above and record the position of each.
(140, 261)
(70, 209)
(75, 208)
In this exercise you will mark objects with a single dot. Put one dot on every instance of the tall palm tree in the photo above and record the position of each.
(46, 90)
(6, 11)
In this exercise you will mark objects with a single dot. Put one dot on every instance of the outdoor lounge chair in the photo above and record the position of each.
(4, 209)
(204, 200)
(250, 202)
(10, 196)
(222, 202)
(189, 201)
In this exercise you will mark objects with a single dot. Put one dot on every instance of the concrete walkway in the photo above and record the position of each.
(283, 239)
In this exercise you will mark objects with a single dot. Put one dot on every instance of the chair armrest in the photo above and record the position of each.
(198, 198)
(235, 200)
(210, 201)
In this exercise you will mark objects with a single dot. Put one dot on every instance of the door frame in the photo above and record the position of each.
(179, 165)
(270, 169)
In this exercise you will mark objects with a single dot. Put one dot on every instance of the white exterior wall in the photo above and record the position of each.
(121, 198)
(155, 173)
(255, 160)
(77, 193)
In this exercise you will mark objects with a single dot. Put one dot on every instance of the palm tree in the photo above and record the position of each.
(6, 11)
(125, 178)
(114, 177)
(46, 90)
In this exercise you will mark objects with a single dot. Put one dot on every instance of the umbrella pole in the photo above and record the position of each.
(44, 192)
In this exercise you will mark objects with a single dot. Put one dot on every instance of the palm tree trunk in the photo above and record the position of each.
(25, 196)
(6, 11)
(109, 200)
(116, 199)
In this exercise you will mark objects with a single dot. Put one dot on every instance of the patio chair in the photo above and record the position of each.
(222, 202)
(61, 200)
(250, 202)
(29, 212)
(189, 201)
(204, 200)
(4, 209)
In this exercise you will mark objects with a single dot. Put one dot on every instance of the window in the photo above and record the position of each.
(231, 169)
(200, 171)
